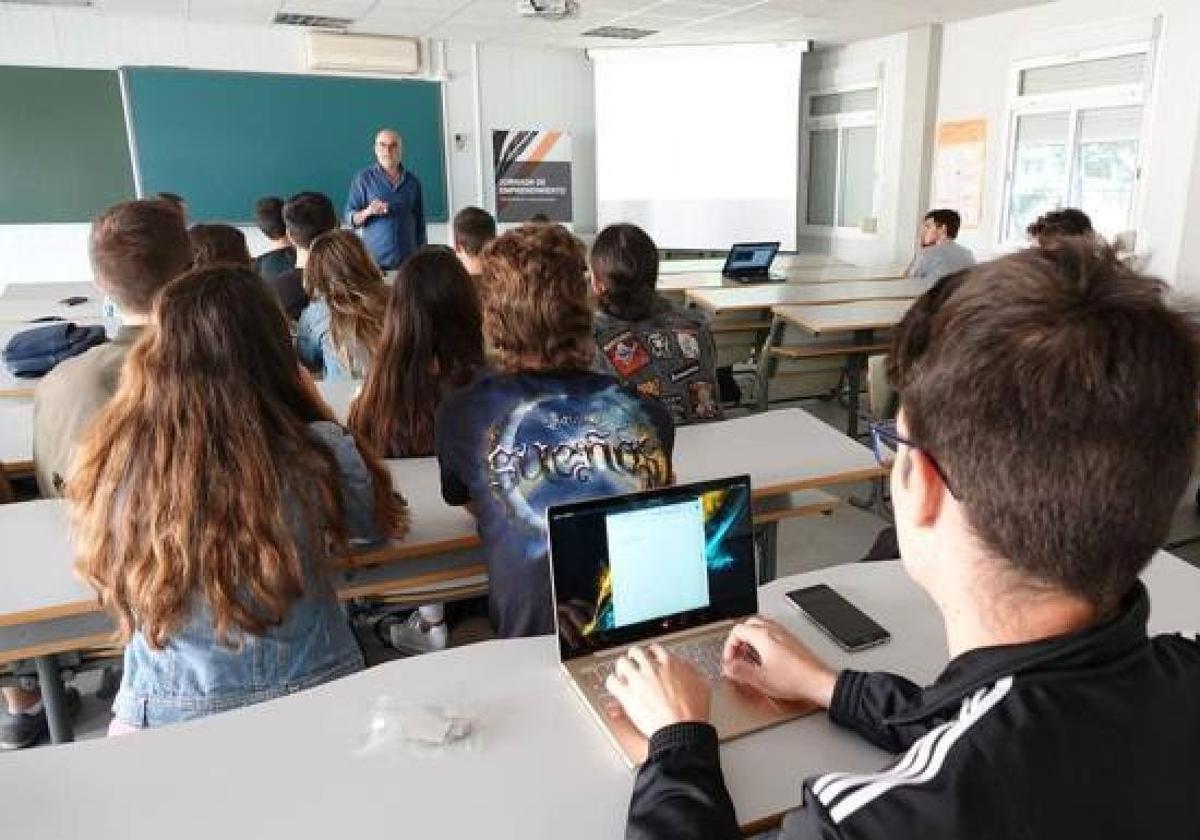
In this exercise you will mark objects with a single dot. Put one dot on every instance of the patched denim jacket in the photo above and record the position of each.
(193, 675)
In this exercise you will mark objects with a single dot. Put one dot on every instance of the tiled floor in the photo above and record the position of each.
(804, 544)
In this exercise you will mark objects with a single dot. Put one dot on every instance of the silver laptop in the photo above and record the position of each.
(673, 566)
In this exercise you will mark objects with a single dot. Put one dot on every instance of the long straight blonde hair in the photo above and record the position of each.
(178, 492)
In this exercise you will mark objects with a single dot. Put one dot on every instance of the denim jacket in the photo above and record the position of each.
(314, 346)
(193, 675)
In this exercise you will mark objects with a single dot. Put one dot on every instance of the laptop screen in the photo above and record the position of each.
(630, 568)
(750, 257)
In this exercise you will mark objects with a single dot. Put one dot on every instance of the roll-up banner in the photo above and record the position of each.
(533, 174)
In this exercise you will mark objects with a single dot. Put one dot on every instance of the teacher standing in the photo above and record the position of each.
(385, 204)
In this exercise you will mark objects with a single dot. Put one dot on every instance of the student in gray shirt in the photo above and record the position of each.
(940, 254)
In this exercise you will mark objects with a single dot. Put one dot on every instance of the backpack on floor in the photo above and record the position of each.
(35, 352)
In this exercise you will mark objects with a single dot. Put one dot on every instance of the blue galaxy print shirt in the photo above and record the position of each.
(514, 444)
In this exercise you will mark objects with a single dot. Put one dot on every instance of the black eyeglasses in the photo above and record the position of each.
(886, 442)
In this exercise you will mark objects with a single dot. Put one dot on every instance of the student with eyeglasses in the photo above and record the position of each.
(1047, 430)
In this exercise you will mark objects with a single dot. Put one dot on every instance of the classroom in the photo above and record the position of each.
(645, 418)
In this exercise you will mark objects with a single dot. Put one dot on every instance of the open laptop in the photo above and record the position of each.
(750, 262)
(674, 566)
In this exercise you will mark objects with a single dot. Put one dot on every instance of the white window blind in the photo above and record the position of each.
(1079, 75)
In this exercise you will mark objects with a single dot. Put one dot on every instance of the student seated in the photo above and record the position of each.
(305, 217)
(136, 248)
(212, 244)
(281, 256)
(473, 229)
(542, 427)
(663, 352)
(939, 253)
(1056, 224)
(432, 344)
(208, 539)
(339, 330)
(1046, 433)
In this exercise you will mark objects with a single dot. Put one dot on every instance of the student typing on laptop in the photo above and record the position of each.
(1046, 435)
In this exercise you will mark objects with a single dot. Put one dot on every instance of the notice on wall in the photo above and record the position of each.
(959, 169)
(533, 175)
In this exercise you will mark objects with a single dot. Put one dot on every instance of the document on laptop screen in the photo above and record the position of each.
(657, 561)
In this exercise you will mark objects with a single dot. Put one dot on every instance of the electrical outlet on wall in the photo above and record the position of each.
(869, 224)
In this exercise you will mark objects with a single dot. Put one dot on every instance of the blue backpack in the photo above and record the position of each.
(33, 353)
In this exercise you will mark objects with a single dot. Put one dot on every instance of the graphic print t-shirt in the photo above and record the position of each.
(515, 444)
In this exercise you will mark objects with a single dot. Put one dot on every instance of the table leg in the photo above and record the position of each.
(855, 363)
(767, 363)
(54, 698)
(767, 544)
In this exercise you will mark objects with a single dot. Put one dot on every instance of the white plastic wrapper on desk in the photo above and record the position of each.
(397, 728)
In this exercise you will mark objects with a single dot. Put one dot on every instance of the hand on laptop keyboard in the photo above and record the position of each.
(762, 655)
(657, 689)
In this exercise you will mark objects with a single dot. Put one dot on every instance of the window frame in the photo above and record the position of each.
(1073, 103)
(840, 123)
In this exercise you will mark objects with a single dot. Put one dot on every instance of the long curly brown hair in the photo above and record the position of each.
(178, 491)
(340, 270)
(536, 314)
(432, 341)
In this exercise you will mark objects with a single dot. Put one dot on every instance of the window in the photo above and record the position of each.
(1075, 141)
(840, 132)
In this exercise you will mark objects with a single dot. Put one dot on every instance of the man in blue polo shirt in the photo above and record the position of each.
(385, 204)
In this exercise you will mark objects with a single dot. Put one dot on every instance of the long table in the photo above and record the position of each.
(45, 610)
(683, 281)
(861, 320)
(754, 298)
(540, 767)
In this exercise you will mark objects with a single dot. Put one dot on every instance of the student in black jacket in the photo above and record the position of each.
(1046, 435)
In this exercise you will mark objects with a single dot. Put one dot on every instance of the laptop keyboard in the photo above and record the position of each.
(704, 654)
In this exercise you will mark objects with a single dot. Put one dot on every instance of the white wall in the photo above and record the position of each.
(514, 88)
(900, 63)
(977, 58)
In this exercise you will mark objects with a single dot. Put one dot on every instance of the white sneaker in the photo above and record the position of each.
(416, 635)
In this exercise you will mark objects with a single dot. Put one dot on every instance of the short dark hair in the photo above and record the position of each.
(212, 244)
(174, 199)
(136, 248)
(1058, 391)
(1069, 221)
(307, 215)
(268, 214)
(949, 219)
(473, 228)
(625, 260)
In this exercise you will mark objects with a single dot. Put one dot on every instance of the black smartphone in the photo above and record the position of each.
(840, 620)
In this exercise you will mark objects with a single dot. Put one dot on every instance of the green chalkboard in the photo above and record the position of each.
(64, 155)
(222, 140)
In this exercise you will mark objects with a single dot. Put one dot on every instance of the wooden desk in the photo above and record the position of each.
(16, 436)
(289, 767)
(45, 611)
(754, 298)
(25, 310)
(683, 281)
(861, 319)
(49, 292)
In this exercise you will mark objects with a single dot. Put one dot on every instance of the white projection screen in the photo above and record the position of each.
(699, 145)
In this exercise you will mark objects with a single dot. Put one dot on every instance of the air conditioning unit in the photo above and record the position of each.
(364, 53)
